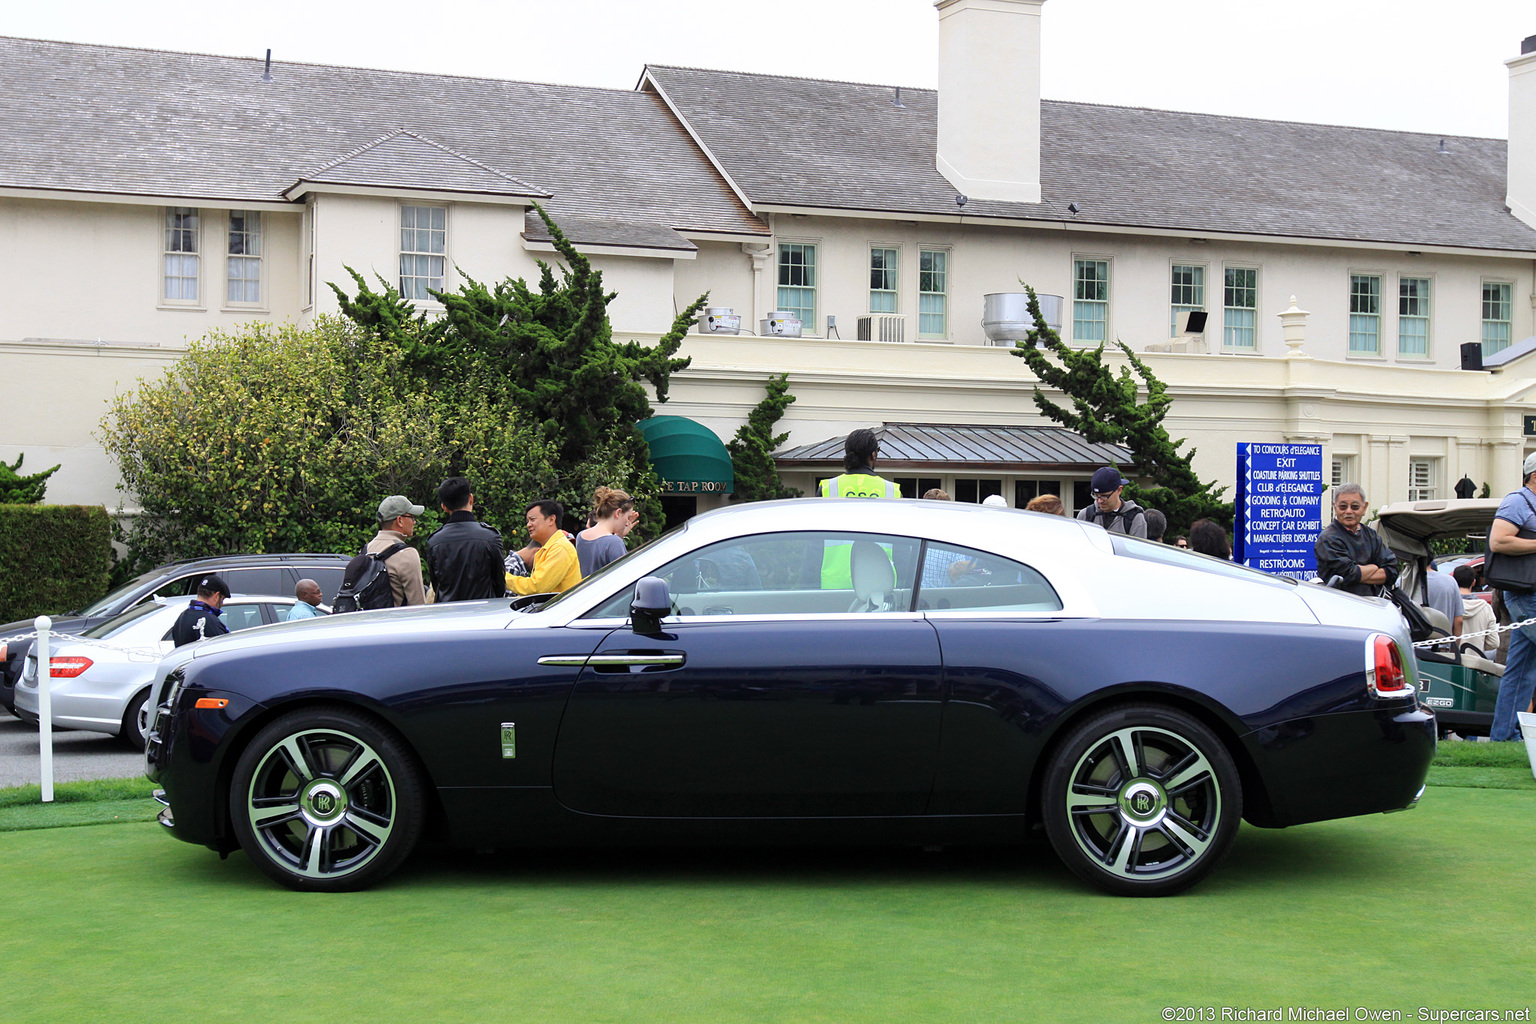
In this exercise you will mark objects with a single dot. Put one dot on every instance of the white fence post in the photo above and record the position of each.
(45, 704)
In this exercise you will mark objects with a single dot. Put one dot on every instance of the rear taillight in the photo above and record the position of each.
(68, 667)
(1385, 676)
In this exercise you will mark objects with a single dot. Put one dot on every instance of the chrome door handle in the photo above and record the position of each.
(636, 661)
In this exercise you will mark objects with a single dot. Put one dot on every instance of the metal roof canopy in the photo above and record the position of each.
(968, 446)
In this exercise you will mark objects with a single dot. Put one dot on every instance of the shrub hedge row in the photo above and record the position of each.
(53, 558)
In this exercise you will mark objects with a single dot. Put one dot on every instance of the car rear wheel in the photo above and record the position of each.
(327, 800)
(135, 722)
(1142, 800)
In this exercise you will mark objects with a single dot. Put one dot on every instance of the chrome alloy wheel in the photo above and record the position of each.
(321, 803)
(1144, 803)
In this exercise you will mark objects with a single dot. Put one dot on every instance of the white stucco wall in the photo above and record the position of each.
(990, 259)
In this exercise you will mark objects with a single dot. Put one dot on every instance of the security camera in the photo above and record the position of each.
(960, 200)
(1073, 209)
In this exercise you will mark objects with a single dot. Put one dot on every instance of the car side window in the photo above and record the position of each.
(328, 577)
(969, 580)
(814, 572)
(180, 587)
(242, 616)
(272, 581)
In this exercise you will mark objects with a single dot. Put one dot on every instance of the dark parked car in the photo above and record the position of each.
(247, 574)
(902, 672)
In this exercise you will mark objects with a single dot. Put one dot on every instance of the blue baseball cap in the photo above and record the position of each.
(1106, 480)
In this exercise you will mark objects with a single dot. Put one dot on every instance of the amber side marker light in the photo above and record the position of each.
(211, 703)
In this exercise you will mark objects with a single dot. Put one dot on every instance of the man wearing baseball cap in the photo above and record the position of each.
(200, 620)
(397, 522)
(1109, 510)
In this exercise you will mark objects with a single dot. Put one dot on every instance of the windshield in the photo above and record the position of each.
(605, 570)
(118, 623)
(1153, 551)
(106, 604)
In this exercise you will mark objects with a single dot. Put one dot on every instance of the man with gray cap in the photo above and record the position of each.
(1109, 509)
(397, 522)
(1516, 515)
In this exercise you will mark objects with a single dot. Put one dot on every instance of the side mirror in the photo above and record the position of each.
(652, 603)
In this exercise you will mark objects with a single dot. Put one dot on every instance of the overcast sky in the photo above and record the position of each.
(1405, 64)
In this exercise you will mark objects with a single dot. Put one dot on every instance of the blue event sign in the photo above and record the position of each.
(1279, 507)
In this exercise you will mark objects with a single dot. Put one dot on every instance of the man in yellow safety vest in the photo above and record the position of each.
(858, 480)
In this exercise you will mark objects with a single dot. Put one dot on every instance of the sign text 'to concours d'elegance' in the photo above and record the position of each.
(1279, 507)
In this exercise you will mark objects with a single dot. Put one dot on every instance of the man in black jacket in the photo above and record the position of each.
(200, 620)
(1349, 549)
(464, 555)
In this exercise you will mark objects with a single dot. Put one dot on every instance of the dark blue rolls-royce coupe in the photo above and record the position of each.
(814, 670)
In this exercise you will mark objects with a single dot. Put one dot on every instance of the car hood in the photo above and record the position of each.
(420, 620)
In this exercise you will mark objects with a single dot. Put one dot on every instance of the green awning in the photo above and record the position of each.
(688, 456)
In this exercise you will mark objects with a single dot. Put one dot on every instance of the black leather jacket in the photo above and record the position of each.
(464, 557)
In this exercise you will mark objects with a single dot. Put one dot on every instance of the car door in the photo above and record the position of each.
(764, 696)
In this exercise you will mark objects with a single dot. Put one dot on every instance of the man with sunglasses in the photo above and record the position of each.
(1349, 549)
(1111, 511)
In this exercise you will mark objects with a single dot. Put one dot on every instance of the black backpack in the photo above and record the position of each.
(365, 585)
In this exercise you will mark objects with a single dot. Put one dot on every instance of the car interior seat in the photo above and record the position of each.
(874, 578)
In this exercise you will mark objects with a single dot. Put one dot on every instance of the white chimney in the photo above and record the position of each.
(989, 98)
(1521, 198)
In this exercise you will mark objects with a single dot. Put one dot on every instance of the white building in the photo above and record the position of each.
(147, 197)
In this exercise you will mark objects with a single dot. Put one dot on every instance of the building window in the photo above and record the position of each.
(1413, 317)
(1026, 491)
(1343, 470)
(1240, 310)
(914, 486)
(1090, 300)
(1497, 322)
(244, 263)
(182, 263)
(932, 293)
(423, 251)
(1364, 315)
(1421, 479)
(797, 281)
(883, 265)
(976, 491)
(1188, 295)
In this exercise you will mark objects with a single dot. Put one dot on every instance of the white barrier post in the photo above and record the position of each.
(45, 704)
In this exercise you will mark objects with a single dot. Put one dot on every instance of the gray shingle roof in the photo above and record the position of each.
(918, 445)
(404, 159)
(807, 142)
(144, 122)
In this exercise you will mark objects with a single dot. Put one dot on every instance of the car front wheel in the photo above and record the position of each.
(1142, 800)
(327, 800)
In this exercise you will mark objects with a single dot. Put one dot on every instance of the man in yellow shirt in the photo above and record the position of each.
(555, 567)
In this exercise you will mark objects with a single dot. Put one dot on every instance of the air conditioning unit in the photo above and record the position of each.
(883, 327)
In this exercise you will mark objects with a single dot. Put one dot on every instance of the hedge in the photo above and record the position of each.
(53, 558)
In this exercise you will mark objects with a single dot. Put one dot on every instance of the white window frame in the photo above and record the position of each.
(246, 239)
(942, 296)
(1360, 319)
(171, 249)
(1507, 322)
(813, 288)
(1423, 478)
(1343, 470)
(1087, 305)
(1410, 319)
(1175, 308)
(429, 254)
(1230, 318)
(891, 274)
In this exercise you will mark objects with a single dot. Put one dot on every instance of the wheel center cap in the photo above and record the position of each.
(323, 802)
(1143, 801)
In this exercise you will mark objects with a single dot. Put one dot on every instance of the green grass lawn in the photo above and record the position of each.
(1427, 908)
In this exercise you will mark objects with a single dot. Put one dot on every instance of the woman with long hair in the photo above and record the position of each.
(603, 541)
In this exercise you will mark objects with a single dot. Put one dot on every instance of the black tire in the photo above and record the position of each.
(1142, 800)
(327, 800)
(131, 732)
